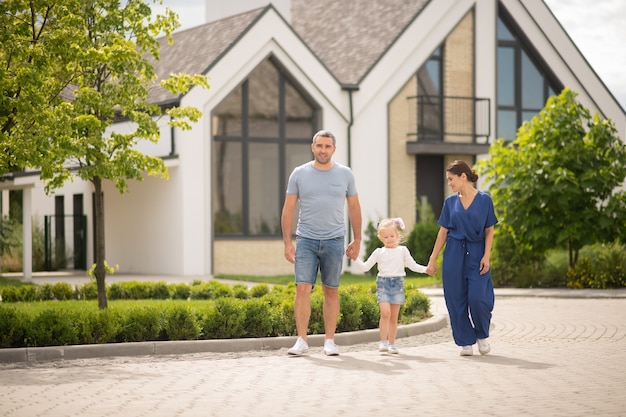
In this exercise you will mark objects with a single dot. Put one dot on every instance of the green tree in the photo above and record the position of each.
(70, 70)
(558, 183)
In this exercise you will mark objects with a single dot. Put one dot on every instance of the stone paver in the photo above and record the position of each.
(559, 356)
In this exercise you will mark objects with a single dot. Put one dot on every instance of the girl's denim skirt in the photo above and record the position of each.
(390, 290)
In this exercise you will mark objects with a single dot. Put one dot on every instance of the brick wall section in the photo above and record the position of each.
(250, 257)
(458, 76)
(402, 184)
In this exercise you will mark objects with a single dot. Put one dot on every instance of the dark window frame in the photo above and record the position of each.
(520, 45)
(282, 141)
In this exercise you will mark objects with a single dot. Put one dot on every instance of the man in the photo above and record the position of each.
(321, 186)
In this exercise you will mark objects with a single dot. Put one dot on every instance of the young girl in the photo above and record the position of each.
(392, 259)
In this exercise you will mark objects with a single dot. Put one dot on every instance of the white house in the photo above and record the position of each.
(405, 85)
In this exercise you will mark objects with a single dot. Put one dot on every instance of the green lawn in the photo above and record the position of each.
(421, 281)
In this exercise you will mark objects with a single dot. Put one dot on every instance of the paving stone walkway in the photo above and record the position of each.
(553, 354)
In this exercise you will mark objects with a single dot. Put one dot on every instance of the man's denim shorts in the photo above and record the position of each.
(390, 290)
(323, 256)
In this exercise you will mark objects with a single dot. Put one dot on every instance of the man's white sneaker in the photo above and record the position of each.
(393, 349)
(483, 346)
(467, 351)
(299, 347)
(383, 346)
(330, 348)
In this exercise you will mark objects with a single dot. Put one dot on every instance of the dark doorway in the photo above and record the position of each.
(430, 175)
(80, 234)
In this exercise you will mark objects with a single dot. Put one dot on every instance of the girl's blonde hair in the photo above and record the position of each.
(395, 223)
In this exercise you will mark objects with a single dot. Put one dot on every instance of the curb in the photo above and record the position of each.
(179, 347)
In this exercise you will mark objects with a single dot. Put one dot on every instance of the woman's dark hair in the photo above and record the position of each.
(461, 167)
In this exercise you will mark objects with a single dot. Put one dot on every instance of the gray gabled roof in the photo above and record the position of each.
(195, 50)
(348, 37)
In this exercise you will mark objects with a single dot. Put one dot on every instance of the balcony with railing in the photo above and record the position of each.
(448, 125)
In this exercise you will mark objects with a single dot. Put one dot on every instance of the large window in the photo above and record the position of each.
(430, 98)
(261, 131)
(524, 82)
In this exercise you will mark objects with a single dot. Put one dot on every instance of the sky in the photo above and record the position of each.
(598, 28)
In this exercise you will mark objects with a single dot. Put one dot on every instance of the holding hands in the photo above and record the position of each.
(352, 252)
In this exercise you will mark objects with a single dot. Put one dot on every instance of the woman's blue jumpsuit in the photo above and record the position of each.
(469, 296)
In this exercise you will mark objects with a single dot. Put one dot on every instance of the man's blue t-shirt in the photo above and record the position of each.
(322, 196)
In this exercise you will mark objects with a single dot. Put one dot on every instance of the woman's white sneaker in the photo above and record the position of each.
(483, 346)
(467, 351)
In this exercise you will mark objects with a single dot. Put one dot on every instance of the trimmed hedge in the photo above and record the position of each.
(229, 312)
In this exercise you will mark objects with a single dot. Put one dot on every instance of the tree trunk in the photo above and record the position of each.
(100, 271)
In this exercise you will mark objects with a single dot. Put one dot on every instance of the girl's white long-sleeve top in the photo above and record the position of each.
(391, 262)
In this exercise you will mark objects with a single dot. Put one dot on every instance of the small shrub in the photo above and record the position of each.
(87, 291)
(62, 291)
(181, 323)
(370, 312)
(284, 318)
(259, 320)
(10, 294)
(420, 241)
(157, 290)
(416, 305)
(129, 290)
(350, 312)
(210, 290)
(259, 290)
(225, 319)
(179, 291)
(52, 327)
(44, 292)
(100, 326)
(28, 293)
(13, 327)
(316, 322)
(240, 291)
(139, 325)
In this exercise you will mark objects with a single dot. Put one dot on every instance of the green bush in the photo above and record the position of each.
(240, 291)
(259, 290)
(284, 318)
(416, 305)
(10, 294)
(210, 290)
(139, 325)
(603, 266)
(44, 292)
(316, 322)
(259, 318)
(370, 312)
(421, 240)
(87, 291)
(63, 291)
(13, 326)
(100, 326)
(225, 319)
(350, 311)
(179, 291)
(181, 323)
(134, 290)
(52, 327)
(269, 315)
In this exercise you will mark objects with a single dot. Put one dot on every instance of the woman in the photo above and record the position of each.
(466, 229)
